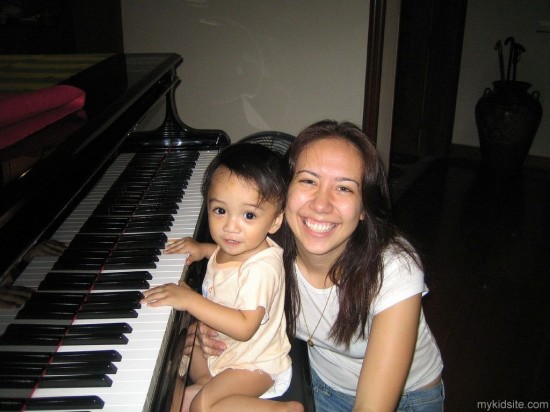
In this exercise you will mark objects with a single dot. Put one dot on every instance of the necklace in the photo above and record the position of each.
(310, 339)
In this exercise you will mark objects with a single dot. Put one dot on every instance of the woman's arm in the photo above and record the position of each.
(238, 324)
(388, 357)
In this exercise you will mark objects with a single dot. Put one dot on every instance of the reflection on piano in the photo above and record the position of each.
(115, 196)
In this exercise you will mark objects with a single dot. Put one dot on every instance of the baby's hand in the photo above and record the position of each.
(196, 251)
(167, 295)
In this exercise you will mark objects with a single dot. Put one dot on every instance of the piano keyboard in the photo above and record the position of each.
(131, 385)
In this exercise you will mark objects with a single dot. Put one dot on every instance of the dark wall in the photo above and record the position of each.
(60, 26)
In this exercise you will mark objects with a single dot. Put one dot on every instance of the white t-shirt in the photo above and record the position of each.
(339, 367)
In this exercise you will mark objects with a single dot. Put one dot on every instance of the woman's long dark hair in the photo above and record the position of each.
(358, 271)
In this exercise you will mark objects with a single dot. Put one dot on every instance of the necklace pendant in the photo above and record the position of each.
(310, 342)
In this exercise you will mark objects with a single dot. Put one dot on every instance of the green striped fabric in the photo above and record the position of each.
(20, 73)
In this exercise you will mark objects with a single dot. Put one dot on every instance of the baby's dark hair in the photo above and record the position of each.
(253, 163)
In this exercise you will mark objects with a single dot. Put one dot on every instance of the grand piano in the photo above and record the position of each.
(115, 196)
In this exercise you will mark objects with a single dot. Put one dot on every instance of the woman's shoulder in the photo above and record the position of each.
(402, 266)
(402, 277)
(401, 253)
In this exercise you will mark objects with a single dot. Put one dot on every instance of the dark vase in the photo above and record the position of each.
(507, 120)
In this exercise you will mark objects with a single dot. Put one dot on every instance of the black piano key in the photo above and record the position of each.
(65, 315)
(151, 227)
(53, 311)
(161, 195)
(103, 281)
(38, 370)
(115, 255)
(43, 316)
(94, 242)
(142, 238)
(157, 192)
(130, 266)
(142, 244)
(128, 296)
(108, 314)
(16, 357)
(105, 221)
(79, 254)
(41, 297)
(77, 284)
(52, 341)
(137, 274)
(63, 307)
(122, 210)
(114, 259)
(136, 252)
(96, 229)
(107, 339)
(67, 277)
(145, 264)
(99, 242)
(51, 403)
(79, 298)
(143, 188)
(136, 284)
(148, 229)
(157, 207)
(76, 381)
(90, 266)
(75, 255)
(16, 329)
(53, 285)
(119, 327)
(94, 306)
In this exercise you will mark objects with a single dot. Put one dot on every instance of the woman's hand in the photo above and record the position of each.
(196, 250)
(204, 336)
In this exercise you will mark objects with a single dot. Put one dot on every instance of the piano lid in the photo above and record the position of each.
(119, 89)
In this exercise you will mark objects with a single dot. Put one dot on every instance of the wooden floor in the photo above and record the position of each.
(486, 246)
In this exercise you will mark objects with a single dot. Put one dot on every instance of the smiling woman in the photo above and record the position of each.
(353, 281)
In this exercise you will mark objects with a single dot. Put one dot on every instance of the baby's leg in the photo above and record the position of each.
(198, 367)
(199, 374)
(239, 390)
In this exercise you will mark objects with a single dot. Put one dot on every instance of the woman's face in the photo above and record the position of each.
(324, 202)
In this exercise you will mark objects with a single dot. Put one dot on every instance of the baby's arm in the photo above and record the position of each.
(197, 251)
(240, 325)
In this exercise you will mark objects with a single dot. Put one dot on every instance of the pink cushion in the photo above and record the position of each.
(25, 113)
